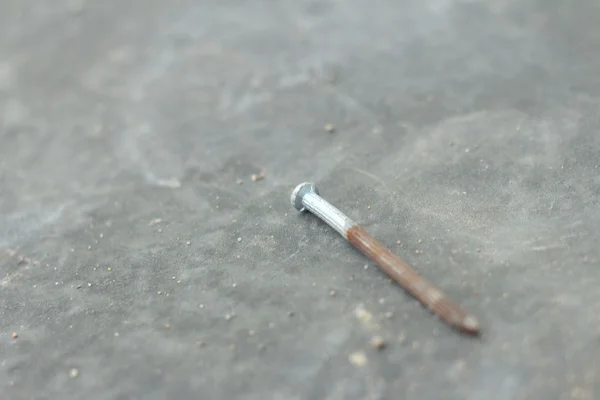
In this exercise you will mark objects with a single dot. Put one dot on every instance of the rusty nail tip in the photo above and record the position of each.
(471, 324)
(306, 197)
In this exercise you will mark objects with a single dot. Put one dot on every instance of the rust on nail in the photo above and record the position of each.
(410, 280)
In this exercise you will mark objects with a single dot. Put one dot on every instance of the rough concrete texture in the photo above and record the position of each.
(128, 134)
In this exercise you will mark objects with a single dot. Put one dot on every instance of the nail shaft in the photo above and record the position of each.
(306, 197)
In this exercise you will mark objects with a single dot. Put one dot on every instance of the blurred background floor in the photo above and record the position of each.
(139, 260)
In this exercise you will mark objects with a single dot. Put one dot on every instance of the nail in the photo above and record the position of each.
(306, 197)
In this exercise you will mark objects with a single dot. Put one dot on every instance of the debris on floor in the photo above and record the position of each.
(22, 260)
(155, 221)
(363, 315)
(230, 316)
(378, 342)
(258, 177)
(358, 359)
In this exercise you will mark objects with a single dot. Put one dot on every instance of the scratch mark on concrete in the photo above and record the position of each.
(370, 175)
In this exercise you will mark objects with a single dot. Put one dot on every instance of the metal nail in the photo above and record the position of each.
(306, 197)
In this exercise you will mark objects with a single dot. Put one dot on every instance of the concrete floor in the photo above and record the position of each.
(128, 134)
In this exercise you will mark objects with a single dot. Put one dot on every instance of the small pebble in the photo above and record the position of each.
(228, 317)
(89, 247)
(329, 128)
(366, 267)
(358, 359)
(378, 342)
(258, 177)
(179, 281)
(188, 242)
(201, 306)
(369, 207)
(109, 268)
(239, 239)
(234, 285)
(332, 293)
(159, 292)
(73, 373)
(362, 314)
(15, 335)
(167, 326)
(101, 235)
(89, 284)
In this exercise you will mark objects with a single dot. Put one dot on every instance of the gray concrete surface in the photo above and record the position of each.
(128, 134)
